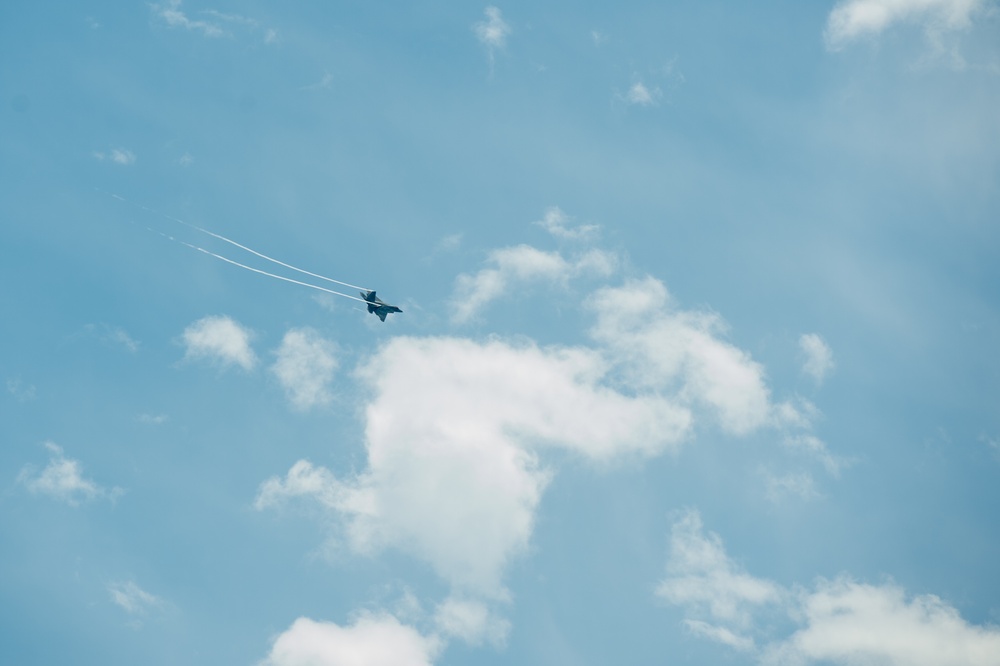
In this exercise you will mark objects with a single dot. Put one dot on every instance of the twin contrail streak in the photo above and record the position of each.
(251, 251)
(257, 270)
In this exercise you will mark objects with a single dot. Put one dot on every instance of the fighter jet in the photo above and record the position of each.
(377, 305)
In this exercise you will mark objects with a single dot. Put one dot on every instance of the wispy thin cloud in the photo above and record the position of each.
(322, 84)
(114, 335)
(170, 12)
(121, 156)
(702, 577)
(21, 391)
(557, 223)
(816, 448)
(818, 356)
(131, 598)
(509, 267)
(121, 337)
(152, 419)
(652, 87)
(470, 621)
(212, 23)
(841, 621)
(853, 19)
(492, 33)
(641, 95)
(62, 479)
(720, 635)
(993, 443)
(445, 245)
(305, 367)
(229, 18)
(799, 485)
(449, 243)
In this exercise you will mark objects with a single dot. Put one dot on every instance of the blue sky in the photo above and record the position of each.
(697, 360)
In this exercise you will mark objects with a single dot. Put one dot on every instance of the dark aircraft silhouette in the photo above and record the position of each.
(377, 305)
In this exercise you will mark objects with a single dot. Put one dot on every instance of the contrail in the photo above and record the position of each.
(242, 247)
(257, 270)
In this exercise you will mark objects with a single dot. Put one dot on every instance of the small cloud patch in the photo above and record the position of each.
(220, 339)
(557, 223)
(818, 356)
(853, 19)
(131, 598)
(305, 366)
(121, 156)
(62, 479)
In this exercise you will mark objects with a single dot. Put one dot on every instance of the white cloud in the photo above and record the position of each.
(113, 334)
(452, 436)
(185, 160)
(799, 413)
(62, 479)
(228, 18)
(662, 347)
(131, 598)
(644, 93)
(470, 621)
(800, 485)
(305, 366)
(152, 419)
(454, 428)
(641, 95)
(117, 155)
(170, 13)
(841, 622)
(373, 640)
(815, 447)
(672, 73)
(851, 19)
(493, 31)
(122, 337)
(322, 84)
(701, 576)
(598, 37)
(449, 243)
(21, 391)
(556, 223)
(992, 443)
(121, 156)
(719, 635)
(819, 356)
(846, 622)
(219, 338)
(514, 266)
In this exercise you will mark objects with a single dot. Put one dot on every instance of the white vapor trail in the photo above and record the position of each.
(242, 247)
(257, 270)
